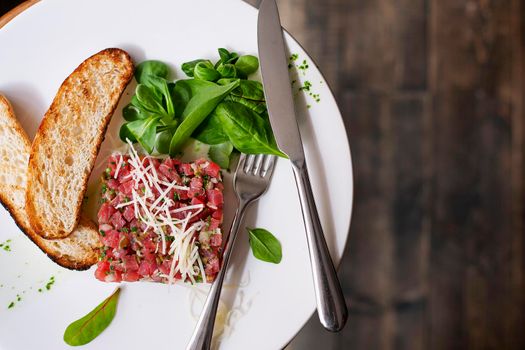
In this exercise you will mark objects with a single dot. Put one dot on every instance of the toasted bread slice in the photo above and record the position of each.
(67, 142)
(78, 251)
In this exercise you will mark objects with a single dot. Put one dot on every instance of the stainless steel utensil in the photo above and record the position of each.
(251, 180)
(331, 305)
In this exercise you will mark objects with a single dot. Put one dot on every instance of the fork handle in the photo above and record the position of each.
(331, 306)
(203, 333)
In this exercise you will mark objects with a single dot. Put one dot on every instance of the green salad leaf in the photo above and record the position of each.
(211, 131)
(205, 70)
(198, 108)
(151, 68)
(87, 328)
(265, 246)
(189, 67)
(217, 105)
(221, 153)
(247, 65)
(144, 131)
(247, 131)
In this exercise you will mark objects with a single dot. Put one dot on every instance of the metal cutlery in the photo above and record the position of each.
(331, 305)
(250, 182)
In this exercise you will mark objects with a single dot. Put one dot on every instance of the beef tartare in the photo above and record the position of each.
(160, 220)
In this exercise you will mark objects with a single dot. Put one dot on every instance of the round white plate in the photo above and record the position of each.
(265, 305)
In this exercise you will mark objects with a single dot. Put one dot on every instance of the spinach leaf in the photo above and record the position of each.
(160, 86)
(87, 328)
(194, 86)
(125, 134)
(210, 131)
(256, 106)
(225, 81)
(198, 108)
(162, 144)
(144, 131)
(248, 132)
(224, 55)
(131, 113)
(251, 94)
(149, 100)
(151, 68)
(189, 67)
(180, 95)
(220, 154)
(265, 246)
(227, 70)
(250, 90)
(205, 71)
(247, 65)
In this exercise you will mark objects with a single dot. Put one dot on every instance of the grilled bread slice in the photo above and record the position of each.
(80, 249)
(68, 140)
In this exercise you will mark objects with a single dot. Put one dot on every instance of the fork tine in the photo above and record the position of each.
(259, 159)
(269, 164)
(249, 163)
(242, 161)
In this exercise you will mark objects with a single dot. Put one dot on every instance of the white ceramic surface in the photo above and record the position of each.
(268, 303)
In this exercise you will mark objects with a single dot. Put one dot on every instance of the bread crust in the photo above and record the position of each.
(88, 252)
(59, 226)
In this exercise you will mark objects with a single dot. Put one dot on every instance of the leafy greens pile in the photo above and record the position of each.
(218, 105)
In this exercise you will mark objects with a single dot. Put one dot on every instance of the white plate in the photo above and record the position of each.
(269, 303)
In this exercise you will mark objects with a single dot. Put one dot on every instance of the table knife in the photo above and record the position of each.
(330, 300)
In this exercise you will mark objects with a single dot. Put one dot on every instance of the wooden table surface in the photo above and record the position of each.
(431, 92)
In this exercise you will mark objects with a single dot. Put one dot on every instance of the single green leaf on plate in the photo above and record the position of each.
(151, 68)
(248, 131)
(131, 113)
(144, 131)
(227, 70)
(149, 100)
(198, 108)
(265, 246)
(87, 328)
(189, 67)
(247, 65)
(221, 153)
(206, 71)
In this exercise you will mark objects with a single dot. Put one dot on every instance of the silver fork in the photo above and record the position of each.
(251, 180)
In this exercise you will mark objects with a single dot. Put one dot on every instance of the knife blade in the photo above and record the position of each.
(331, 305)
(277, 86)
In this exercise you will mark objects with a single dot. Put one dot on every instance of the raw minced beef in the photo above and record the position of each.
(154, 209)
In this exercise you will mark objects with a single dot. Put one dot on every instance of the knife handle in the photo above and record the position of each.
(331, 306)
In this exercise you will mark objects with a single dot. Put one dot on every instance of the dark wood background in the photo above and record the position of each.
(431, 92)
